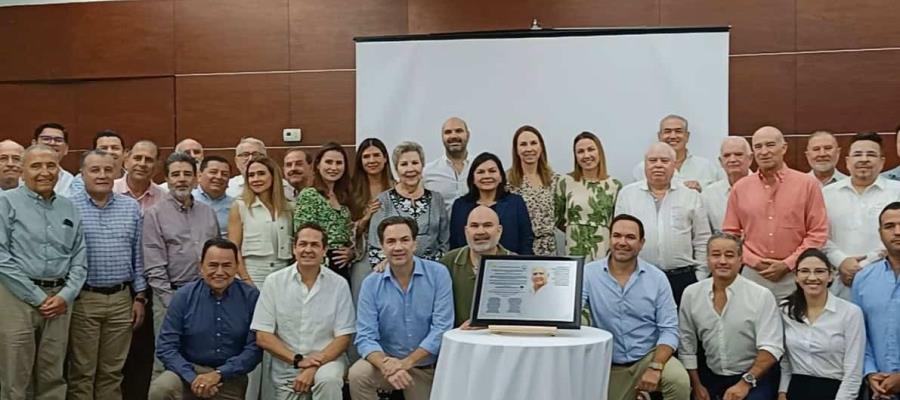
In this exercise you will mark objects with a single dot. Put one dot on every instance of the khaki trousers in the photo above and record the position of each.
(159, 315)
(169, 386)
(32, 349)
(100, 337)
(366, 380)
(329, 384)
(674, 383)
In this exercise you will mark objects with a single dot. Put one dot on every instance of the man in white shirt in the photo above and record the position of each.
(677, 225)
(304, 319)
(56, 137)
(693, 171)
(11, 154)
(853, 206)
(822, 154)
(735, 156)
(738, 324)
(248, 148)
(447, 175)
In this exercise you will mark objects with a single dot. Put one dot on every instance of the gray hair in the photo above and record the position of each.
(94, 152)
(180, 157)
(669, 150)
(406, 147)
(252, 140)
(727, 236)
(674, 116)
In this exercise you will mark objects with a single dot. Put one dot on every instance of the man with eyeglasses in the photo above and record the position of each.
(247, 149)
(10, 164)
(55, 136)
(853, 206)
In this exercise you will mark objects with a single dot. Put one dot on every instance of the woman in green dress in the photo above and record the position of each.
(585, 200)
(532, 178)
(326, 204)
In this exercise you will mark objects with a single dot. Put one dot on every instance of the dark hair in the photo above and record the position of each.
(795, 304)
(306, 156)
(314, 226)
(482, 158)
(342, 186)
(892, 206)
(51, 125)
(727, 236)
(219, 243)
(628, 217)
(107, 133)
(397, 220)
(94, 152)
(543, 166)
(359, 181)
(870, 136)
(209, 159)
(577, 173)
(180, 157)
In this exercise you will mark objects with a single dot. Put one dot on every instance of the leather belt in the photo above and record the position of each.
(107, 290)
(49, 283)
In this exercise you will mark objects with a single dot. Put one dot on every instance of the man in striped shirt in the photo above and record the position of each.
(106, 311)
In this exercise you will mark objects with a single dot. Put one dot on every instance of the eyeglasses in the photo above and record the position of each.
(248, 154)
(51, 139)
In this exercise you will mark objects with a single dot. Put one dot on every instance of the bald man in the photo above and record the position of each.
(780, 212)
(447, 174)
(822, 154)
(10, 164)
(190, 147)
(677, 227)
(735, 157)
(693, 171)
(483, 231)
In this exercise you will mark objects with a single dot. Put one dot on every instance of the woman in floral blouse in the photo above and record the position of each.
(325, 203)
(585, 200)
(532, 178)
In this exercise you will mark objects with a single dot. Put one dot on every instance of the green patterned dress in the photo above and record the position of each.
(584, 210)
(313, 207)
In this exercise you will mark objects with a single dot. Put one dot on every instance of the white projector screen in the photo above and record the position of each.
(616, 83)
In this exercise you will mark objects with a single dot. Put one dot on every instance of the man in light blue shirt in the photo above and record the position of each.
(402, 314)
(632, 300)
(894, 174)
(212, 182)
(42, 268)
(876, 290)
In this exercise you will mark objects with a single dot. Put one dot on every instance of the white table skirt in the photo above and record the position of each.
(478, 365)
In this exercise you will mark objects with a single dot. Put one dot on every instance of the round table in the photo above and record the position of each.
(480, 365)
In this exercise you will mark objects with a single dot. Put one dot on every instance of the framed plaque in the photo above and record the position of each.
(528, 290)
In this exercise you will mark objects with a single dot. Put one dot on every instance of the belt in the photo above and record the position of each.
(107, 289)
(49, 284)
(625, 365)
(681, 270)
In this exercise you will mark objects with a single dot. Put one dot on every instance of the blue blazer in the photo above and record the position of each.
(517, 235)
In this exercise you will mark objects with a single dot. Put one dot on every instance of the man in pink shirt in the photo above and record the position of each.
(140, 162)
(779, 212)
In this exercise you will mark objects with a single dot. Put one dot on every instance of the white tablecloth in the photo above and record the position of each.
(479, 365)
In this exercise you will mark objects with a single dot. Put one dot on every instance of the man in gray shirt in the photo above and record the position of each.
(174, 232)
(42, 269)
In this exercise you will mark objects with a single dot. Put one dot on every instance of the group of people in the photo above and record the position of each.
(279, 282)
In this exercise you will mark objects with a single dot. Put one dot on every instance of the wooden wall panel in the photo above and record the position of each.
(847, 24)
(231, 35)
(122, 39)
(25, 106)
(318, 42)
(757, 25)
(219, 110)
(324, 106)
(136, 108)
(33, 42)
(761, 92)
(595, 13)
(848, 92)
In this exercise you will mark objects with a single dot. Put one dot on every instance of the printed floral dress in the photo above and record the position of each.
(584, 209)
(539, 200)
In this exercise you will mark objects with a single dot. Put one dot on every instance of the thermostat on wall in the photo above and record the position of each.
(292, 135)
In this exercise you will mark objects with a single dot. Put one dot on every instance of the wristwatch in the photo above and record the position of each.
(141, 299)
(656, 366)
(297, 359)
(750, 379)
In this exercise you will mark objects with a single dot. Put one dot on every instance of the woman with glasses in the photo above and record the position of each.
(824, 337)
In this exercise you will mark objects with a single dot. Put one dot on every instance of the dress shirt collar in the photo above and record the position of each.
(847, 184)
(209, 290)
(640, 266)
(417, 269)
(672, 187)
(779, 174)
(109, 201)
(446, 160)
(178, 204)
(204, 194)
(125, 188)
(35, 196)
(463, 258)
(730, 289)
(831, 303)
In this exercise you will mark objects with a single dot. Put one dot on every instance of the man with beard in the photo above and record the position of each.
(213, 180)
(175, 230)
(483, 231)
(56, 137)
(137, 183)
(190, 147)
(298, 170)
(632, 300)
(10, 164)
(447, 175)
(692, 171)
(778, 211)
(735, 156)
(853, 205)
(822, 154)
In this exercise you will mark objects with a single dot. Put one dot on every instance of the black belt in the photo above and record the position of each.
(49, 284)
(680, 271)
(107, 289)
(625, 365)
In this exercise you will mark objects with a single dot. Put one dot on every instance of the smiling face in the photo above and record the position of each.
(372, 161)
(538, 277)
(409, 168)
(214, 179)
(528, 147)
(332, 166)
(659, 164)
(218, 268)
(10, 162)
(813, 276)
(587, 155)
(309, 248)
(865, 160)
(626, 241)
(735, 156)
(483, 230)
(296, 170)
(259, 178)
(487, 176)
(181, 179)
(399, 245)
(673, 132)
(724, 258)
(769, 149)
(55, 139)
(455, 136)
(99, 172)
(141, 161)
(41, 171)
(822, 153)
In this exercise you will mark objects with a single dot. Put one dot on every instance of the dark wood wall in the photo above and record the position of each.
(217, 70)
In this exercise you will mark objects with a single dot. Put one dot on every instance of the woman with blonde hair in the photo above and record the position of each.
(532, 178)
(585, 200)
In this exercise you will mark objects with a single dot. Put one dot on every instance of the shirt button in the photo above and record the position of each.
(770, 217)
(771, 234)
(218, 318)
(218, 334)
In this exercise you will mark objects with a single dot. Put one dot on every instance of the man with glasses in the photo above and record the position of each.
(248, 149)
(55, 136)
(10, 164)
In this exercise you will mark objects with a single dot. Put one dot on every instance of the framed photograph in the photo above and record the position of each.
(528, 290)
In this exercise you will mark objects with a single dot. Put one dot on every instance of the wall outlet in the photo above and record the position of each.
(292, 135)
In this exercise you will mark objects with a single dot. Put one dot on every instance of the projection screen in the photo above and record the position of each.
(617, 83)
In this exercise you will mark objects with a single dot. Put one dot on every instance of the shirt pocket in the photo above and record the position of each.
(680, 218)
